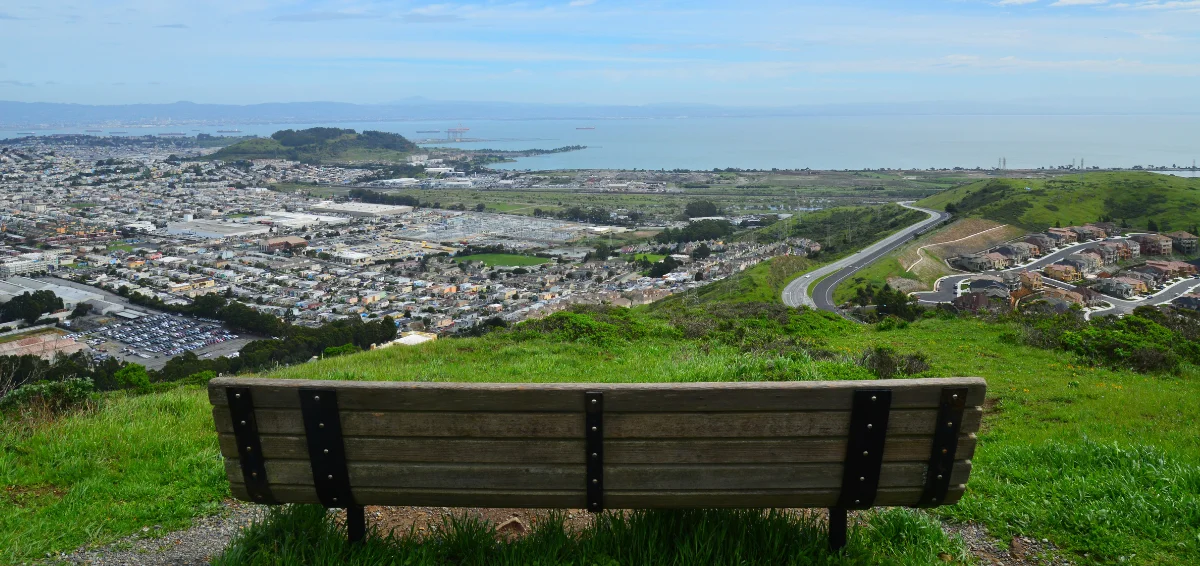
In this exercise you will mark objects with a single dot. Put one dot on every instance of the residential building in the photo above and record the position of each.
(1043, 242)
(1062, 235)
(1139, 287)
(1174, 268)
(1154, 244)
(1063, 295)
(1189, 301)
(1061, 272)
(1032, 280)
(283, 243)
(1085, 262)
(1183, 241)
(1114, 288)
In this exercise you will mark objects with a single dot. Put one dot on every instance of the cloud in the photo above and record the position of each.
(320, 16)
(4, 16)
(1079, 2)
(14, 83)
(578, 3)
(1014, 2)
(172, 26)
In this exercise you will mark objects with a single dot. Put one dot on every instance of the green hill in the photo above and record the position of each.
(1128, 198)
(322, 145)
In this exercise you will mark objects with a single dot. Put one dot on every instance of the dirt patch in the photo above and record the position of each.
(510, 523)
(1021, 551)
(906, 285)
(22, 495)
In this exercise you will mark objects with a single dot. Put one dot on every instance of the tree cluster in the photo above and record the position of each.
(30, 306)
(696, 231)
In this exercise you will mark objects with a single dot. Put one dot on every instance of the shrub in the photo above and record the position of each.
(886, 363)
(55, 396)
(335, 351)
(133, 376)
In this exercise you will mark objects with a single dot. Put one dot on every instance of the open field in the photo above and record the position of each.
(1128, 198)
(503, 260)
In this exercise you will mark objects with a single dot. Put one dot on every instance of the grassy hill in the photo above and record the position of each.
(1103, 462)
(1129, 198)
(322, 145)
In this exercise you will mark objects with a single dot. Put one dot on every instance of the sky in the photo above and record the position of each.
(744, 53)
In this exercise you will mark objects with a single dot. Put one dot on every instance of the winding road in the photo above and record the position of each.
(796, 293)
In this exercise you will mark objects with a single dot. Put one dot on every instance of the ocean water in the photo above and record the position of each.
(817, 142)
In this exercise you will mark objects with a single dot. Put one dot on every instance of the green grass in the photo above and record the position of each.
(1130, 197)
(877, 274)
(92, 477)
(305, 535)
(122, 247)
(503, 260)
(652, 258)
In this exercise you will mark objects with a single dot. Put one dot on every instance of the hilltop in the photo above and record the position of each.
(321, 145)
(1131, 199)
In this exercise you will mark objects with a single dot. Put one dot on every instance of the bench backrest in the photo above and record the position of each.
(849, 444)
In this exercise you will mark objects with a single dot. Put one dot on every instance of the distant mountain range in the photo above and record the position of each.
(17, 115)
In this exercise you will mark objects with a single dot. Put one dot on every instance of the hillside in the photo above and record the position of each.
(1128, 198)
(322, 145)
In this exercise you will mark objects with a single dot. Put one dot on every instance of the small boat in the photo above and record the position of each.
(229, 131)
(586, 128)
(27, 133)
(93, 131)
(429, 131)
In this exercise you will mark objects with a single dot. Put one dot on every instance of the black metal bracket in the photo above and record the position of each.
(945, 444)
(864, 448)
(326, 451)
(249, 446)
(593, 422)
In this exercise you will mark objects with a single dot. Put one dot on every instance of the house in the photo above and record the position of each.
(1174, 268)
(1031, 280)
(971, 302)
(1102, 258)
(1088, 232)
(1043, 242)
(1091, 297)
(1063, 295)
(1017, 251)
(1139, 287)
(1154, 244)
(1158, 274)
(1062, 272)
(991, 287)
(1188, 301)
(999, 260)
(1062, 235)
(1114, 288)
(1112, 252)
(1084, 262)
(1183, 241)
(974, 262)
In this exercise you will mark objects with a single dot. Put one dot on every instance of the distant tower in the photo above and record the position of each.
(1081, 163)
(1072, 163)
(1004, 161)
(1000, 163)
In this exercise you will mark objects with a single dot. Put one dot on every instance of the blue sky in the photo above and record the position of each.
(599, 51)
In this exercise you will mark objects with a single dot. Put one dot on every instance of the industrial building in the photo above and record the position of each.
(361, 209)
(214, 230)
(27, 263)
(71, 297)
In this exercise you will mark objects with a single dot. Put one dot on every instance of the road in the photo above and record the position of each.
(945, 288)
(796, 293)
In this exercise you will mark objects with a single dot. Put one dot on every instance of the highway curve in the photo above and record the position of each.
(796, 293)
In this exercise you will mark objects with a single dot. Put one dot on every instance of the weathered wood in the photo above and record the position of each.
(619, 397)
(545, 499)
(674, 451)
(616, 477)
(617, 425)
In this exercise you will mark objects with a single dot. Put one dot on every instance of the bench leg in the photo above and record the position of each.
(837, 528)
(356, 523)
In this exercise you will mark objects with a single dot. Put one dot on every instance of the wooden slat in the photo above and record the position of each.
(619, 397)
(617, 425)
(675, 451)
(616, 477)
(613, 499)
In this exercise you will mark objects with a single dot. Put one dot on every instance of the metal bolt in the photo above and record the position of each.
(954, 397)
(594, 429)
(939, 476)
(253, 474)
(950, 425)
(335, 500)
(326, 451)
(243, 423)
(862, 478)
(865, 452)
(316, 397)
(872, 398)
(594, 401)
(595, 481)
(248, 449)
(870, 426)
(239, 396)
(595, 505)
(320, 425)
(857, 501)
(329, 477)
(944, 451)
(935, 500)
(595, 455)
(258, 496)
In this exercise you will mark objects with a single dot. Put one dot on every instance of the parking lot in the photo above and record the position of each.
(154, 339)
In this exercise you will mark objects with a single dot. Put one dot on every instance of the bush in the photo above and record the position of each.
(55, 396)
(886, 363)
(133, 376)
(335, 351)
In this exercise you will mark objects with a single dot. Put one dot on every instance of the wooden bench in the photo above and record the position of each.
(834, 444)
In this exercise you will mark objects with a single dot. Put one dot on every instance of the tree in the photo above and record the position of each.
(701, 252)
(133, 376)
(700, 208)
(480, 207)
(1151, 225)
